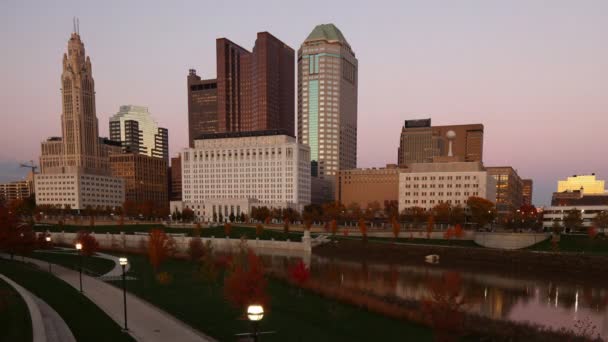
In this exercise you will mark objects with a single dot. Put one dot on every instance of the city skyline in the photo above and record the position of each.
(543, 76)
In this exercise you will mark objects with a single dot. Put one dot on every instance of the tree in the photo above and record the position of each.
(286, 225)
(188, 215)
(221, 217)
(90, 246)
(482, 210)
(242, 218)
(458, 232)
(130, 208)
(601, 220)
(231, 217)
(259, 229)
(333, 227)
(195, 249)
(245, 283)
(444, 306)
(448, 234)
(299, 274)
(430, 224)
(592, 232)
(160, 247)
(396, 227)
(391, 208)
(208, 271)
(442, 212)
(573, 220)
(227, 228)
(457, 215)
(363, 229)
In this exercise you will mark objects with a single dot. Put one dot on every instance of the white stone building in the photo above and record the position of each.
(427, 184)
(232, 172)
(79, 190)
(558, 213)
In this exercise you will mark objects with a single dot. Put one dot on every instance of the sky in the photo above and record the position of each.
(534, 73)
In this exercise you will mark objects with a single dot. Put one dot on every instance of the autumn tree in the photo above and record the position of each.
(396, 225)
(444, 306)
(90, 246)
(442, 212)
(458, 232)
(245, 283)
(285, 225)
(363, 229)
(430, 224)
(187, 215)
(259, 229)
(299, 274)
(333, 227)
(482, 210)
(195, 248)
(448, 234)
(160, 247)
(208, 271)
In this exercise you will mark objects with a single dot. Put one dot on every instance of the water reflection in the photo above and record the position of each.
(500, 297)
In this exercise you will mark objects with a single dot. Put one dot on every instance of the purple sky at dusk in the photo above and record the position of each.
(535, 73)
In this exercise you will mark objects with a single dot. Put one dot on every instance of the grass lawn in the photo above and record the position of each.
(91, 265)
(575, 244)
(15, 322)
(235, 233)
(86, 321)
(305, 317)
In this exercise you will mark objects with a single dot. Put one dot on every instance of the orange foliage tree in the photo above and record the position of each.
(160, 247)
(90, 246)
(363, 229)
(259, 229)
(333, 226)
(444, 306)
(458, 232)
(227, 228)
(449, 233)
(245, 283)
(396, 227)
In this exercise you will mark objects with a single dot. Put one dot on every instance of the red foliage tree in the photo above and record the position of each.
(449, 233)
(333, 226)
(160, 247)
(245, 283)
(363, 229)
(90, 246)
(396, 227)
(299, 273)
(430, 224)
(592, 232)
(444, 306)
(458, 232)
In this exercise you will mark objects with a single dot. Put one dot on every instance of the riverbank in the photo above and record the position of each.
(551, 265)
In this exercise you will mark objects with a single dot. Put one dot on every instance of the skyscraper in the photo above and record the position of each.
(253, 91)
(202, 106)
(75, 169)
(139, 133)
(421, 142)
(327, 100)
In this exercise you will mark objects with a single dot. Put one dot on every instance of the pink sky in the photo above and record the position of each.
(535, 73)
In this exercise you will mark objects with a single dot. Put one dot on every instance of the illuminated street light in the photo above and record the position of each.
(124, 262)
(79, 249)
(48, 242)
(255, 313)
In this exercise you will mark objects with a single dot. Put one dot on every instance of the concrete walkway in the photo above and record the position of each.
(146, 322)
(114, 274)
(47, 325)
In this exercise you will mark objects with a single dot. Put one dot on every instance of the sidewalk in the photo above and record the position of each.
(146, 322)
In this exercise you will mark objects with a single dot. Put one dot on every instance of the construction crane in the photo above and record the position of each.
(31, 165)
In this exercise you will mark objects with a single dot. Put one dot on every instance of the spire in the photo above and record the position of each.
(76, 24)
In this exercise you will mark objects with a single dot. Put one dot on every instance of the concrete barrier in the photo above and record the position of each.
(509, 240)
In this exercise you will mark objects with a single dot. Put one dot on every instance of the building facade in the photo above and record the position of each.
(327, 100)
(422, 143)
(202, 106)
(17, 190)
(509, 189)
(75, 168)
(427, 184)
(527, 191)
(364, 186)
(588, 184)
(268, 168)
(145, 178)
(176, 179)
(135, 128)
(557, 214)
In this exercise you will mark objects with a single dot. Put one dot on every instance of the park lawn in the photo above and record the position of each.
(294, 317)
(236, 231)
(15, 321)
(91, 265)
(86, 321)
(575, 244)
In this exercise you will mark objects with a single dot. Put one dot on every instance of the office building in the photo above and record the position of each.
(17, 190)
(145, 178)
(364, 186)
(557, 214)
(176, 179)
(327, 101)
(253, 91)
(75, 167)
(588, 184)
(202, 106)
(527, 191)
(423, 143)
(231, 172)
(509, 189)
(427, 184)
(135, 128)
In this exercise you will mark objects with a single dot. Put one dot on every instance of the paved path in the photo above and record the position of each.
(115, 273)
(47, 325)
(146, 322)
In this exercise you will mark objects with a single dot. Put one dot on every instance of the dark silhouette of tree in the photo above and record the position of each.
(90, 246)
(482, 210)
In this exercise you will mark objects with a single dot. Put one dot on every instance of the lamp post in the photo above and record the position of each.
(123, 262)
(79, 249)
(255, 313)
(48, 241)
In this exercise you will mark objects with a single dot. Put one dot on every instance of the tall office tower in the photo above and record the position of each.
(202, 106)
(75, 168)
(327, 101)
(139, 133)
(527, 191)
(255, 89)
(423, 143)
(509, 189)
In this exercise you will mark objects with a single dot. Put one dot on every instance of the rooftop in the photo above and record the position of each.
(327, 32)
(243, 134)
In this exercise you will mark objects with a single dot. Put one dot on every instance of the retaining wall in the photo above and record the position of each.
(509, 240)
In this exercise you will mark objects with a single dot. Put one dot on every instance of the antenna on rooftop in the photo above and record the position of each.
(78, 26)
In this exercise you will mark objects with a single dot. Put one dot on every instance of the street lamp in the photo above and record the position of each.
(255, 313)
(79, 249)
(123, 262)
(48, 241)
